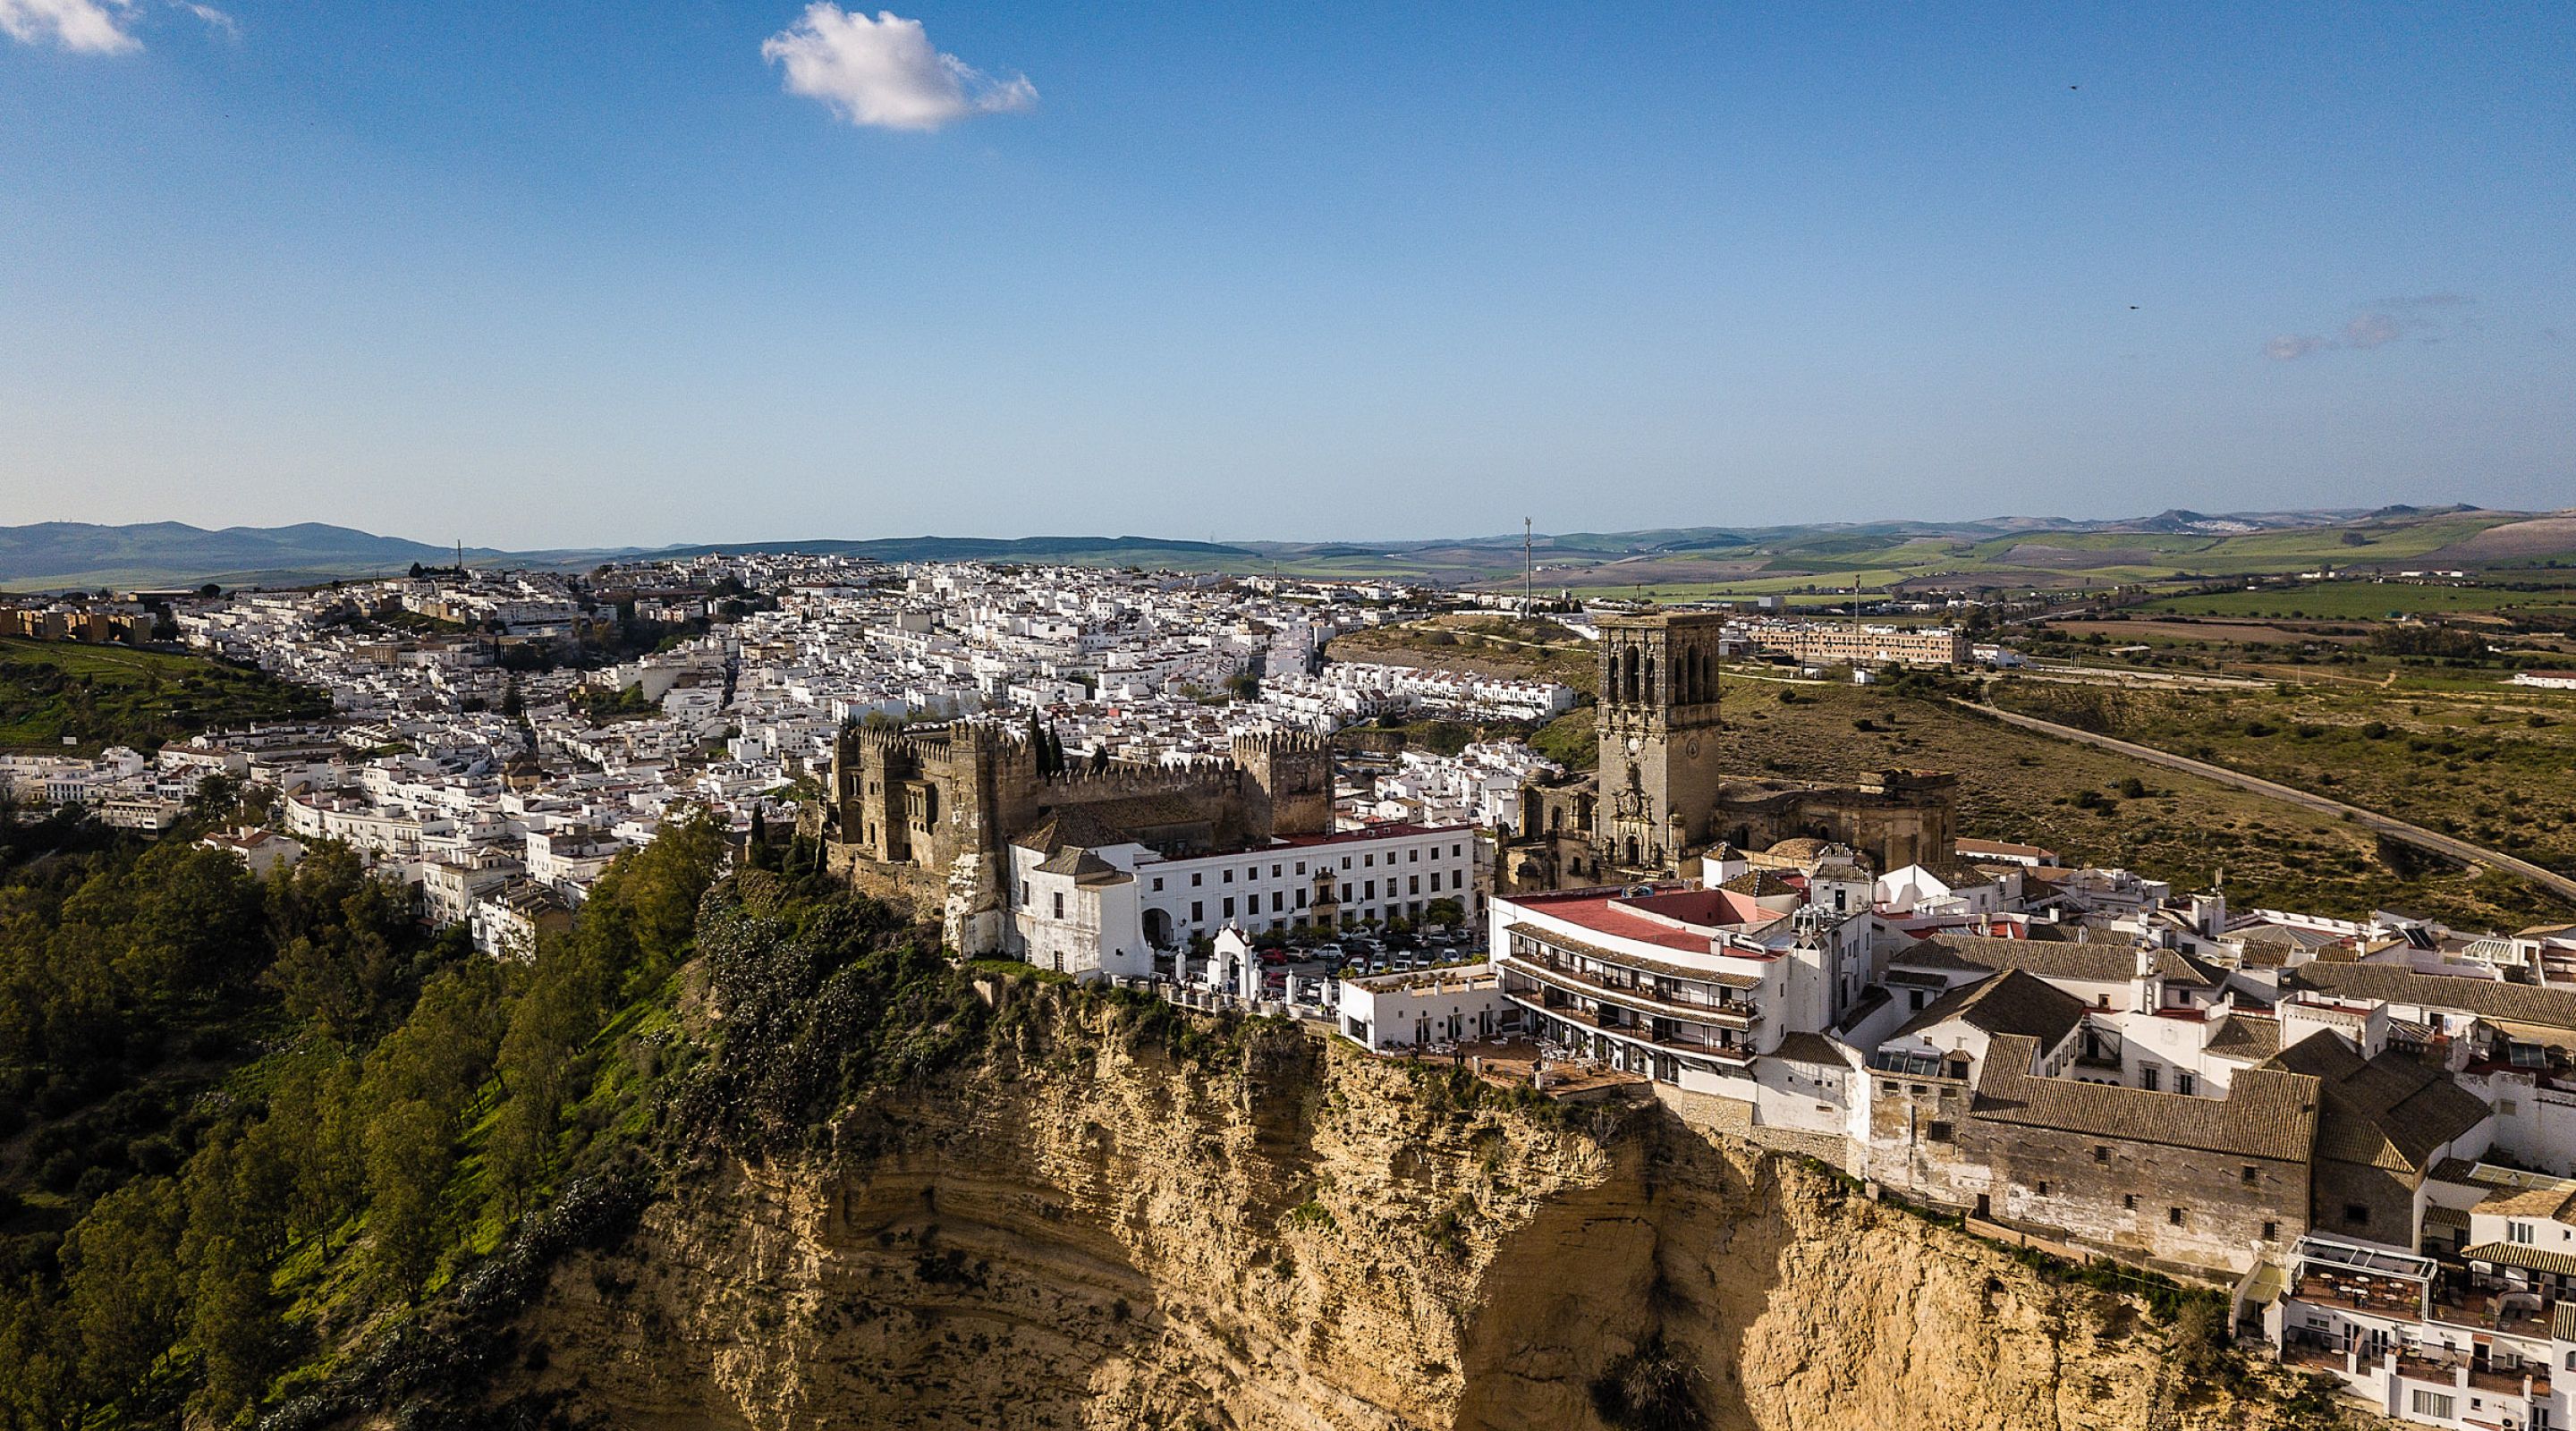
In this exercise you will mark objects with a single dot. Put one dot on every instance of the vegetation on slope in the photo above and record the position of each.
(109, 695)
(2094, 807)
(2488, 766)
(1477, 643)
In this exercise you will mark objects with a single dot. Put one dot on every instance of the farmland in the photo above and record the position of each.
(2095, 807)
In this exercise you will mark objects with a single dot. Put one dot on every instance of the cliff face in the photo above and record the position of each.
(1078, 1234)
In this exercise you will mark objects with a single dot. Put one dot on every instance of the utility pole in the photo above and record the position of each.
(1529, 572)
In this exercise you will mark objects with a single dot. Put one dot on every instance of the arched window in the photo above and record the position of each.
(1651, 693)
(930, 804)
(1629, 685)
(1632, 850)
(1556, 821)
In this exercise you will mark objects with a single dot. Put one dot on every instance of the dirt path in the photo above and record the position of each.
(2441, 844)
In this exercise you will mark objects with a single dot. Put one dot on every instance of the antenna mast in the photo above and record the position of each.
(1529, 572)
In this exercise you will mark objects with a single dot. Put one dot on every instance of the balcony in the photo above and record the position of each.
(1732, 1013)
(1644, 1031)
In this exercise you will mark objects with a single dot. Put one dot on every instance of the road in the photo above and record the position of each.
(2434, 840)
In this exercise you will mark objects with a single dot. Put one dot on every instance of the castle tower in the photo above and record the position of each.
(1288, 782)
(1658, 722)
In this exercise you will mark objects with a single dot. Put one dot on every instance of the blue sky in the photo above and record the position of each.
(580, 273)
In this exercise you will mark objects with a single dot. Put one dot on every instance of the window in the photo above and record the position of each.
(2271, 1232)
(2101, 1154)
(1369, 890)
(1197, 912)
(1301, 867)
(2358, 1214)
(1301, 899)
(2518, 1232)
(1413, 884)
(1453, 851)
(2149, 1078)
(1195, 877)
(1370, 860)
(2506, 1108)
(2186, 1084)
(1229, 876)
(1346, 894)
(2173, 1215)
(1278, 901)
(1229, 906)
(1059, 904)
(2129, 1201)
(2042, 1190)
(1274, 871)
(1937, 1132)
(1346, 862)
(1413, 856)
(2430, 1403)
(1024, 891)
(1158, 884)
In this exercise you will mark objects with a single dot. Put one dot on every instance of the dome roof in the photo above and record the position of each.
(1801, 848)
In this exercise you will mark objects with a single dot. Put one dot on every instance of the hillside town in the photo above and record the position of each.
(2360, 1129)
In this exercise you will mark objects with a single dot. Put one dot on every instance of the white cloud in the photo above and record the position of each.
(882, 72)
(93, 27)
(215, 19)
(81, 26)
(2425, 318)
(2370, 330)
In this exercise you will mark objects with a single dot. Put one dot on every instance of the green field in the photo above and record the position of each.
(2368, 601)
(2021, 786)
(2484, 761)
(61, 697)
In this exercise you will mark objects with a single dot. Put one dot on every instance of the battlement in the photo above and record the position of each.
(1128, 778)
(1283, 742)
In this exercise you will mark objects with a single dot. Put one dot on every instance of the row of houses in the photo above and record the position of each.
(2366, 1133)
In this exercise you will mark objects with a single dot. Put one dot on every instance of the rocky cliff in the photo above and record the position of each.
(1084, 1230)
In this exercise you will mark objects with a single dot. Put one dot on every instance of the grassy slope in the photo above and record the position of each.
(2019, 786)
(2364, 600)
(109, 695)
(1479, 644)
(2466, 760)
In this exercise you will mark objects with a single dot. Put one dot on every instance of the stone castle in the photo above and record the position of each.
(1661, 792)
(925, 815)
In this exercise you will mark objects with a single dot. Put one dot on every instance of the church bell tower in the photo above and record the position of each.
(1658, 722)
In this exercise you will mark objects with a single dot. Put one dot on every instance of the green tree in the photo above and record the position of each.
(122, 1284)
(236, 1227)
(410, 1156)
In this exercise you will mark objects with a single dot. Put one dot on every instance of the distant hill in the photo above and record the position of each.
(60, 554)
(1090, 551)
(1680, 562)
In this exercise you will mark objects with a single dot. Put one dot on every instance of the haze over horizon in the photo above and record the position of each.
(575, 276)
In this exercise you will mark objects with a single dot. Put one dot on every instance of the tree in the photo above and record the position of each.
(235, 1228)
(349, 953)
(1444, 911)
(410, 1156)
(121, 1280)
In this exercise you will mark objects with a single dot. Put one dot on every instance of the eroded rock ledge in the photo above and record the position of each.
(1081, 1233)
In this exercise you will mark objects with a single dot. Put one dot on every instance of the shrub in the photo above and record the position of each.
(1653, 1388)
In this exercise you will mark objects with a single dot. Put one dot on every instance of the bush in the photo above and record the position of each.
(1652, 1388)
